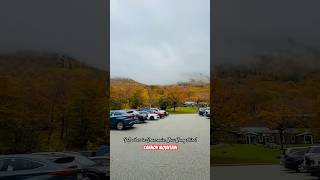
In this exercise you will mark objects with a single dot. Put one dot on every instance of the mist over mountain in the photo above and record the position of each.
(246, 29)
(193, 81)
(75, 27)
(22, 61)
(297, 59)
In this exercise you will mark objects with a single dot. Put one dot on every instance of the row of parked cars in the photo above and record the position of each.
(86, 165)
(303, 159)
(204, 111)
(121, 119)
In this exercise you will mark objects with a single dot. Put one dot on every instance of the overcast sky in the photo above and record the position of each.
(243, 28)
(160, 41)
(75, 27)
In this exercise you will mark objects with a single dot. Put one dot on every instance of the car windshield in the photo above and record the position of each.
(299, 153)
(101, 161)
(294, 150)
(314, 150)
(118, 113)
(85, 161)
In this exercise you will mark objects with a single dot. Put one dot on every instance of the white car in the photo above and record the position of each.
(153, 116)
(150, 116)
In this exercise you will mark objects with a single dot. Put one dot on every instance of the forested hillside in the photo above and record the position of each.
(51, 102)
(127, 93)
(274, 91)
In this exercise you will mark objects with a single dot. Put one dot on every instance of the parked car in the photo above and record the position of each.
(150, 116)
(120, 119)
(144, 114)
(161, 113)
(38, 167)
(138, 115)
(89, 168)
(104, 163)
(150, 110)
(202, 111)
(88, 153)
(314, 167)
(312, 151)
(207, 112)
(293, 158)
(295, 149)
(103, 150)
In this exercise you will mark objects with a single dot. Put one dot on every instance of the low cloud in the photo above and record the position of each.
(160, 41)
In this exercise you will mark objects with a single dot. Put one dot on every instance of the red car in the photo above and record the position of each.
(161, 113)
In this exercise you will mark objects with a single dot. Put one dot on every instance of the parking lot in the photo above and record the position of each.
(259, 172)
(190, 161)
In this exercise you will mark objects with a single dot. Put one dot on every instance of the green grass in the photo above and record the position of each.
(183, 110)
(244, 154)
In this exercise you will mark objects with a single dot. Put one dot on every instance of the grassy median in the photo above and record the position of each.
(244, 154)
(183, 110)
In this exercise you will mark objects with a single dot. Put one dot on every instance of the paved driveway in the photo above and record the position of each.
(263, 172)
(190, 161)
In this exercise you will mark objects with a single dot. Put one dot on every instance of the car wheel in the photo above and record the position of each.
(151, 118)
(141, 119)
(120, 125)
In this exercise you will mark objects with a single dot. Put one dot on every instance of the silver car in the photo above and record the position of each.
(37, 167)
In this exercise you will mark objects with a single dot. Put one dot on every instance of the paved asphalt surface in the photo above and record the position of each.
(261, 172)
(191, 161)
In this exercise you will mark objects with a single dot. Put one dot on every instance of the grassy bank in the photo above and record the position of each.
(183, 110)
(243, 154)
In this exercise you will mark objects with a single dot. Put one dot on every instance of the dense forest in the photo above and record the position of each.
(51, 102)
(127, 93)
(275, 90)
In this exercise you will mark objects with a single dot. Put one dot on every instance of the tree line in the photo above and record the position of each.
(51, 102)
(127, 93)
(271, 91)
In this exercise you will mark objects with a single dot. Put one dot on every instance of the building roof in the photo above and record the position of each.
(255, 130)
(304, 133)
(266, 130)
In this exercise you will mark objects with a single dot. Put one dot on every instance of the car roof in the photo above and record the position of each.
(58, 154)
(293, 148)
(24, 156)
(99, 157)
(298, 147)
(313, 146)
(36, 157)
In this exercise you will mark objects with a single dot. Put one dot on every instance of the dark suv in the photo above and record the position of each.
(312, 150)
(120, 119)
(293, 158)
